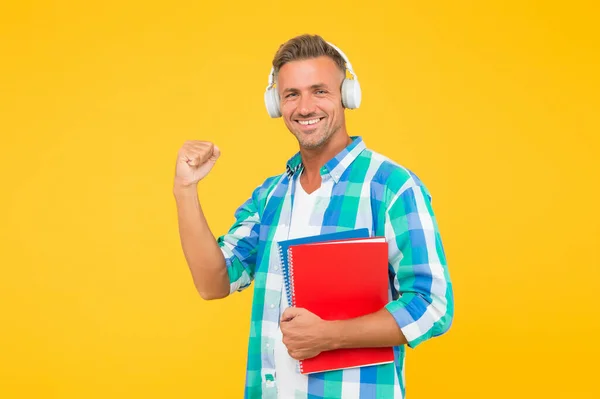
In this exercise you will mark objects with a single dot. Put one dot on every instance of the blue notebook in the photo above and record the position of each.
(284, 246)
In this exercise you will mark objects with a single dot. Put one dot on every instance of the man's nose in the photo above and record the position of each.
(307, 105)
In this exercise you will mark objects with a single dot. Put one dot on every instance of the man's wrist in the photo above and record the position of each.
(180, 189)
(333, 335)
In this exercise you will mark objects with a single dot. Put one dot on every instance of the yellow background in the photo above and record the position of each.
(493, 105)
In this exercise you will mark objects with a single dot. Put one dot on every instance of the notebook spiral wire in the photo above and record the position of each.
(287, 276)
(292, 296)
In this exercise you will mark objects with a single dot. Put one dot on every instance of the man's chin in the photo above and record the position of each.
(310, 143)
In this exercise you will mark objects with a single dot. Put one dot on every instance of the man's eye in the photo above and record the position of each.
(289, 95)
(321, 92)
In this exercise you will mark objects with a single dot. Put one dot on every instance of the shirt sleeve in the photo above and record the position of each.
(424, 307)
(240, 245)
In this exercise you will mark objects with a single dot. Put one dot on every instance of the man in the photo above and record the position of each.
(331, 171)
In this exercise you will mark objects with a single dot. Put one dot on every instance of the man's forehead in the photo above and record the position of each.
(309, 72)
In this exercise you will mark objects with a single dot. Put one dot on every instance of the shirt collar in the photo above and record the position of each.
(336, 166)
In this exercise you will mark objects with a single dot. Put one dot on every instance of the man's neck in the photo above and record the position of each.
(314, 160)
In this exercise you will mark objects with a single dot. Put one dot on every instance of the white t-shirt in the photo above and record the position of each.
(286, 373)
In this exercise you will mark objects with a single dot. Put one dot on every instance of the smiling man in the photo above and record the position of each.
(331, 171)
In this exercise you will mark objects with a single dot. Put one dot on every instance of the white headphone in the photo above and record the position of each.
(351, 93)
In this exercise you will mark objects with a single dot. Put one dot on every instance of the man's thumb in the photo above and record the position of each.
(289, 314)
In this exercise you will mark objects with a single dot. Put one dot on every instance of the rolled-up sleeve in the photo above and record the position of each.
(240, 246)
(424, 307)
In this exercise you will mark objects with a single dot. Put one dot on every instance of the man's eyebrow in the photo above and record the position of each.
(315, 86)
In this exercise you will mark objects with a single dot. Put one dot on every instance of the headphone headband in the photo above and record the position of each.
(340, 52)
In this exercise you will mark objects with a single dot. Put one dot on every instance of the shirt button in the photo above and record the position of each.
(272, 306)
(268, 346)
(276, 268)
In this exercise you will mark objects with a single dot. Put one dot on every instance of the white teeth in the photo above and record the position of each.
(311, 122)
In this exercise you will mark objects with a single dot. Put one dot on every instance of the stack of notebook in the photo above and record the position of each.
(338, 276)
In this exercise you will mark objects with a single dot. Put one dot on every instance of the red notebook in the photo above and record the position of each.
(339, 280)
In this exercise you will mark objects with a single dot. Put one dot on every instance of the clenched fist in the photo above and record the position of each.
(194, 160)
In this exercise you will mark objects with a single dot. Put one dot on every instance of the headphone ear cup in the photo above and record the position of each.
(351, 93)
(272, 103)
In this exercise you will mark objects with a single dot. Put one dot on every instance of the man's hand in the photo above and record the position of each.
(194, 160)
(305, 334)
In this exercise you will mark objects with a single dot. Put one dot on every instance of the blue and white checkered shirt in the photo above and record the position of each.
(360, 189)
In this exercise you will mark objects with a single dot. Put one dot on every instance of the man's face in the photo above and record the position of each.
(311, 103)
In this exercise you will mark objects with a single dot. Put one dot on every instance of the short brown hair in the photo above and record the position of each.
(305, 47)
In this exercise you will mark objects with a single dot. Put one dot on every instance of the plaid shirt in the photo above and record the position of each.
(360, 188)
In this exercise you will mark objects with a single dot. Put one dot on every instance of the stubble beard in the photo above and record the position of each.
(316, 140)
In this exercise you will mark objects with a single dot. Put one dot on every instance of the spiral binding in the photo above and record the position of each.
(286, 276)
(287, 268)
(291, 300)
(293, 294)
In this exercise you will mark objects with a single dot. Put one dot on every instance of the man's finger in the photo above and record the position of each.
(216, 153)
(192, 159)
(290, 313)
